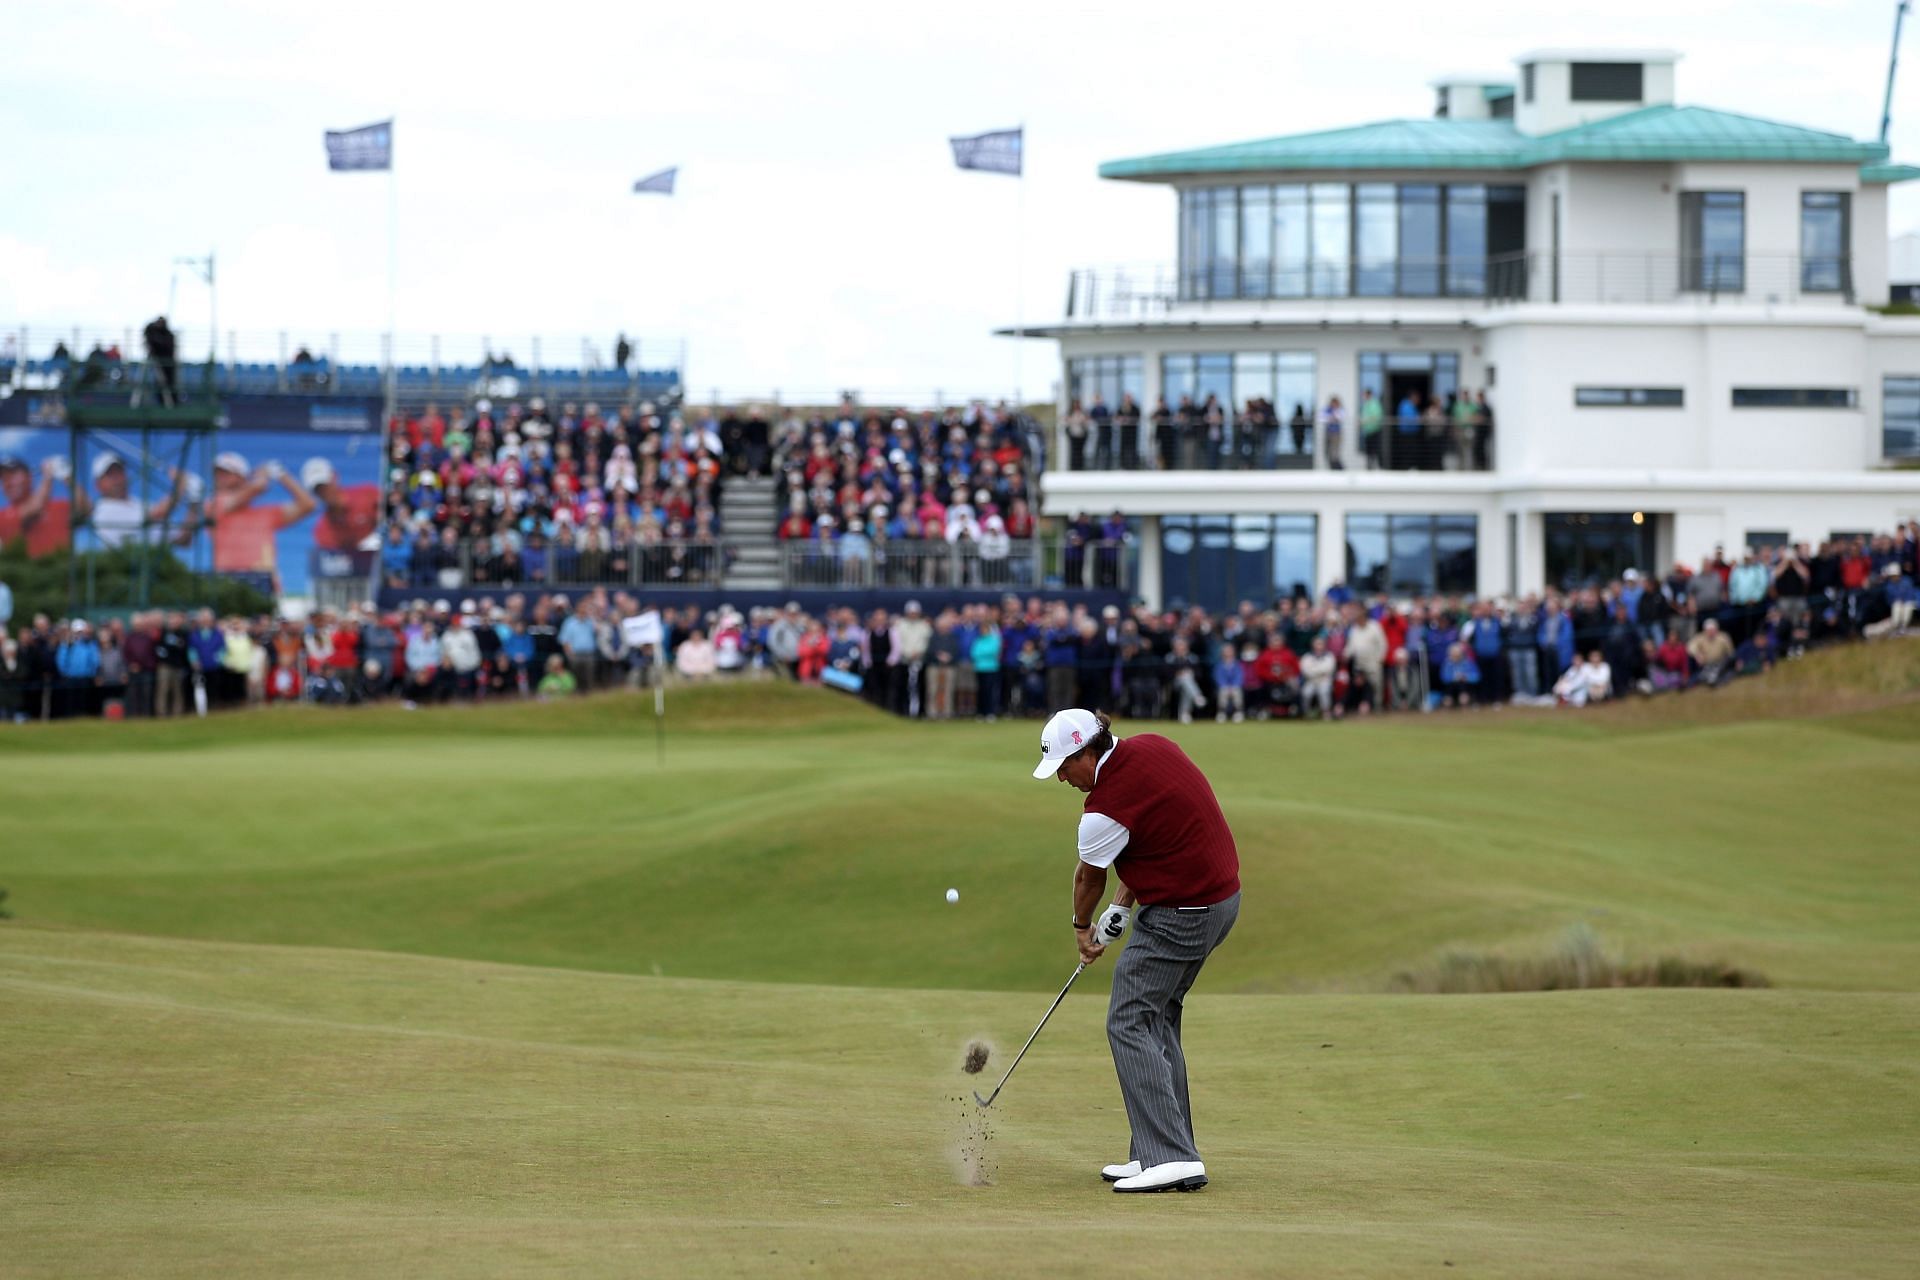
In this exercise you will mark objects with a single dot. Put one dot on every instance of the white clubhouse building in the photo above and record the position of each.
(1672, 312)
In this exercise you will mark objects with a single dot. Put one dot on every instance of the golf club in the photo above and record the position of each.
(988, 1101)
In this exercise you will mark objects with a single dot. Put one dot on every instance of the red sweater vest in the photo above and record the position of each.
(1179, 852)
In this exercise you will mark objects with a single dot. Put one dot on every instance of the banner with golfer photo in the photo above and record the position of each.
(273, 508)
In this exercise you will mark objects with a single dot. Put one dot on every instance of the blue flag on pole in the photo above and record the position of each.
(660, 183)
(996, 152)
(368, 147)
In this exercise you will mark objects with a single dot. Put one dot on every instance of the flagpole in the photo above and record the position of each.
(393, 281)
(1020, 273)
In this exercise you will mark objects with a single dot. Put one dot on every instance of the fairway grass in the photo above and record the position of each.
(179, 1108)
(492, 992)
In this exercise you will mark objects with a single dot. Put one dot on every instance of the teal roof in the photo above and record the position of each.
(1495, 92)
(1664, 133)
(1888, 173)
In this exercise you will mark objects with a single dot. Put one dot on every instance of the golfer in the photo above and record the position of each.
(1151, 816)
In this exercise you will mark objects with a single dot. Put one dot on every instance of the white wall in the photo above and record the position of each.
(1537, 427)
(1553, 109)
(1872, 268)
(1620, 209)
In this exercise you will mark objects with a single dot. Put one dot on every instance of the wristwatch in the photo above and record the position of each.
(1078, 926)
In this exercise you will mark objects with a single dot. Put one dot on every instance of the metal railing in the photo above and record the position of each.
(424, 367)
(1189, 445)
(1030, 564)
(477, 562)
(1152, 291)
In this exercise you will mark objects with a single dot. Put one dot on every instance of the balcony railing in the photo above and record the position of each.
(1417, 444)
(1151, 292)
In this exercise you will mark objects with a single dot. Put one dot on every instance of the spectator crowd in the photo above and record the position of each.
(1335, 656)
(951, 475)
(526, 495)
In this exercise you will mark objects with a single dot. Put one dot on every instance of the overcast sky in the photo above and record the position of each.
(821, 237)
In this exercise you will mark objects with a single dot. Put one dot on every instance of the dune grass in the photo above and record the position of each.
(491, 992)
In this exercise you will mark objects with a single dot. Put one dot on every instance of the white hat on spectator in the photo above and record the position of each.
(466, 606)
(233, 461)
(913, 608)
(105, 462)
(80, 624)
(1631, 575)
(316, 472)
(1893, 570)
(441, 606)
(1067, 732)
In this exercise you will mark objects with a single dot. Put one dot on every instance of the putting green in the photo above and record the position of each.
(708, 1018)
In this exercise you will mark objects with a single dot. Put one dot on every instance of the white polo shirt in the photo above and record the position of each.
(1101, 838)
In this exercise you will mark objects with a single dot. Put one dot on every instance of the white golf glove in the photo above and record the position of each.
(1111, 923)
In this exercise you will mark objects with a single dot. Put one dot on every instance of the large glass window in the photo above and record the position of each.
(1587, 548)
(1824, 236)
(1419, 240)
(1334, 239)
(1256, 242)
(1295, 548)
(1410, 555)
(1331, 243)
(1290, 240)
(1107, 377)
(1376, 239)
(1467, 240)
(1713, 241)
(1900, 418)
(1218, 561)
(1223, 275)
(1284, 377)
(1214, 378)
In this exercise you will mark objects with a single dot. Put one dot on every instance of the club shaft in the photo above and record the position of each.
(1078, 969)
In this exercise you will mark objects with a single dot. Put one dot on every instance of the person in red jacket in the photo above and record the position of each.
(1151, 816)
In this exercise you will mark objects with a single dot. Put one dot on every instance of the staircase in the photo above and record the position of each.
(748, 516)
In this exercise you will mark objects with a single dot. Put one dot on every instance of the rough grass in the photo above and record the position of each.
(1576, 962)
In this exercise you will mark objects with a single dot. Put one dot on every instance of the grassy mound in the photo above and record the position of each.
(798, 835)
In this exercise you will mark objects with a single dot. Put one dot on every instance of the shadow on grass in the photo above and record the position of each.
(1578, 961)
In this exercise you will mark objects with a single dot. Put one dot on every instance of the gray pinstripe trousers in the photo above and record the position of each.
(1157, 967)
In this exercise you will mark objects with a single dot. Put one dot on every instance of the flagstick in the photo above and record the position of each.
(660, 719)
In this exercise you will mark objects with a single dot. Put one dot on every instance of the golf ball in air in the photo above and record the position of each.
(953, 895)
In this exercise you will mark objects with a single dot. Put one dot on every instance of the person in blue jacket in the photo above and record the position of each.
(1555, 644)
(77, 661)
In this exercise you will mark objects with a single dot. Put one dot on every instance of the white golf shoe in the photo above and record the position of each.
(1115, 1172)
(1175, 1175)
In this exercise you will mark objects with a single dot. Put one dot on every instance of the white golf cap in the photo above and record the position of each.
(1067, 732)
(316, 472)
(105, 462)
(231, 461)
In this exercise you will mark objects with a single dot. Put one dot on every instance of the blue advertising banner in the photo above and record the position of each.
(282, 506)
